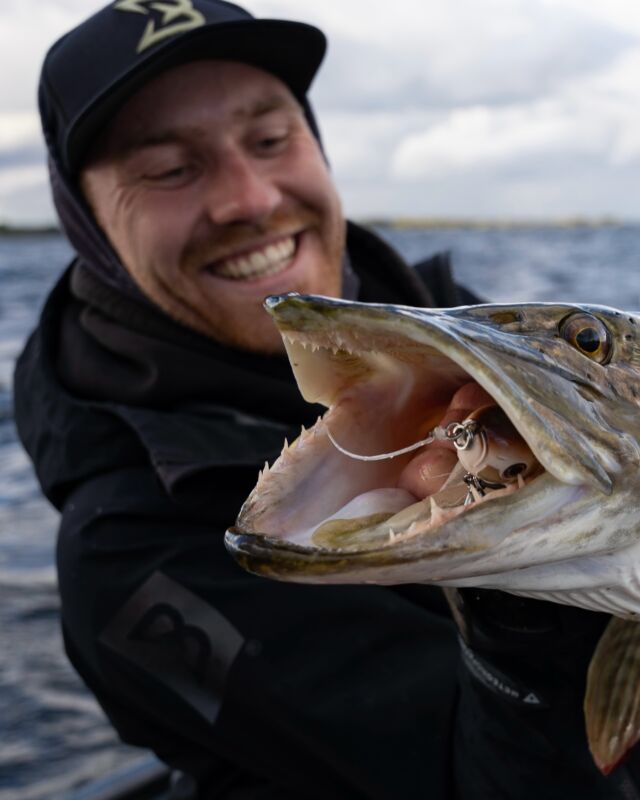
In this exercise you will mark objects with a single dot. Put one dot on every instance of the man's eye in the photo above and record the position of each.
(172, 175)
(176, 172)
(272, 143)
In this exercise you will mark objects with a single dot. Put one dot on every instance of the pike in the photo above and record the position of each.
(492, 446)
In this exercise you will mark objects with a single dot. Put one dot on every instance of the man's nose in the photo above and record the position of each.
(241, 190)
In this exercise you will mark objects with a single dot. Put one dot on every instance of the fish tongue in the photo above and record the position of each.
(362, 512)
(376, 501)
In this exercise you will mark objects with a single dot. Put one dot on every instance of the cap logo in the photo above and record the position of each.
(177, 16)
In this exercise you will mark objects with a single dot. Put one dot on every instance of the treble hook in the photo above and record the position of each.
(478, 485)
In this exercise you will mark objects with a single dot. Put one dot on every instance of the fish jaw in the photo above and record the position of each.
(560, 552)
(380, 368)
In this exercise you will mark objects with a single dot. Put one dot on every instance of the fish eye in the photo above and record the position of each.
(589, 335)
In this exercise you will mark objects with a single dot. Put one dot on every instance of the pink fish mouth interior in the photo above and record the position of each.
(381, 397)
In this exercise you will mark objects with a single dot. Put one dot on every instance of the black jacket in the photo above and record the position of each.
(147, 437)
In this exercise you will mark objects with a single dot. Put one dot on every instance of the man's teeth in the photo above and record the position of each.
(270, 260)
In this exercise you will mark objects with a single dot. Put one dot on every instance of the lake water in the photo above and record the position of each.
(53, 736)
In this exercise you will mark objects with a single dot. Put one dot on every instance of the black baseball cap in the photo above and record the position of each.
(92, 70)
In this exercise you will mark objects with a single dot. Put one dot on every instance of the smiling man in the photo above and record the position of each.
(188, 174)
(214, 193)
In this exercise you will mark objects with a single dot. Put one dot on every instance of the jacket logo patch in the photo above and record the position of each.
(177, 639)
(164, 626)
(176, 16)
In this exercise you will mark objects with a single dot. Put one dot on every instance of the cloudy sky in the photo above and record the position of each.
(446, 108)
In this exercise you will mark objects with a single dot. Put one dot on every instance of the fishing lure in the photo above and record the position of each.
(488, 447)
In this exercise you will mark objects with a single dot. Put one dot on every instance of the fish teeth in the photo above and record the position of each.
(303, 436)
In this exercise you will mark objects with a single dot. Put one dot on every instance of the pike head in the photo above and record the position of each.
(567, 378)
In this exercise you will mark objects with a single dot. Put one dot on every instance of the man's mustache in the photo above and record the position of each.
(231, 239)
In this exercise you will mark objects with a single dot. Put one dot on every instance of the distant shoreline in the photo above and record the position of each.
(408, 223)
(426, 223)
(28, 230)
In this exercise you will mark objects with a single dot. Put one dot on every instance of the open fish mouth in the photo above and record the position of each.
(449, 449)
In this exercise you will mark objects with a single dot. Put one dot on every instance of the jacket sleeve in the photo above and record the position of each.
(308, 691)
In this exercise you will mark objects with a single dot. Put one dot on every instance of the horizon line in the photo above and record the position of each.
(401, 222)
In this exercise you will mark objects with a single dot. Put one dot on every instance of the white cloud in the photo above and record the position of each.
(359, 145)
(25, 197)
(12, 179)
(18, 128)
(623, 14)
(485, 138)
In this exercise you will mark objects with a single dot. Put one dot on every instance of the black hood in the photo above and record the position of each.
(92, 247)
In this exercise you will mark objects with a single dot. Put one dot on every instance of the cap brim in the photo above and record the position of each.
(292, 51)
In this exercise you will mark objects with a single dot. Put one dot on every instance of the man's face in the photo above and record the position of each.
(214, 193)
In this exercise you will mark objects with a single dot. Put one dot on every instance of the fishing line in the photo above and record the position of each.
(461, 434)
(382, 456)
